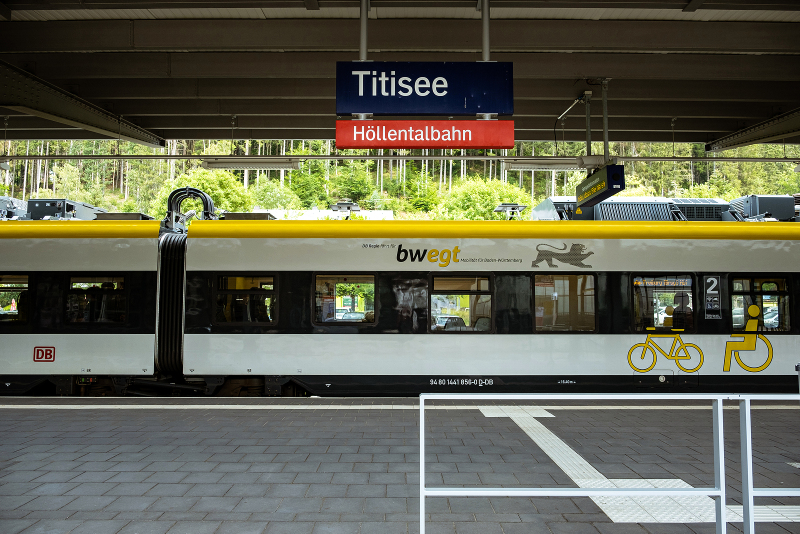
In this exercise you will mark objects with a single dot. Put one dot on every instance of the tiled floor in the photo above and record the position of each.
(352, 466)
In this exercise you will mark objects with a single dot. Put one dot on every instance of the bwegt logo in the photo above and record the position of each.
(442, 257)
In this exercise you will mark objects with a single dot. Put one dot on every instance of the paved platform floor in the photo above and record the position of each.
(351, 466)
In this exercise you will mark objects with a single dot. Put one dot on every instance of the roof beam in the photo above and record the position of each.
(391, 35)
(329, 133)
(322, 65)
(693, 6)
(109, 90)
(28, 94)
(5, 12)
(577, 122)
(784, 126)
(77, 5)
(750, 111)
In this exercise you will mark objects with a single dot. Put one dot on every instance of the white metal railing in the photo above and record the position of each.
(717, 492)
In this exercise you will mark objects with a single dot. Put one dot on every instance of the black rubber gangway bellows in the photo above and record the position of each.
(171, 283)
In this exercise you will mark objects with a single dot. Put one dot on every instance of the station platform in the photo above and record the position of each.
(351, 465)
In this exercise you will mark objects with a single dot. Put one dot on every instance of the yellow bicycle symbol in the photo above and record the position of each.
(678, 352)
(748, 343)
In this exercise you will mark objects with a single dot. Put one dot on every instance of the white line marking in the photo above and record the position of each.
(353, 407)
(794, 464)
(689, 509)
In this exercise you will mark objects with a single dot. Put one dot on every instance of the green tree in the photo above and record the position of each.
(354, 183)
(225, 190)
(476, 199)
(365, 292)
(270, 194)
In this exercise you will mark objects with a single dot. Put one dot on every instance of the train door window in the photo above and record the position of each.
(345, 298)
(564, 303)
(461, 304)
(245, 299)
(663, 303)
(769, 295)
(14, 298)
(96, 299)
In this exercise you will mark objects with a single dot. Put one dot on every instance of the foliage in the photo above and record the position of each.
(365, 292)
(310, 191)
(270, 194)
(420, 188)
(355, 184)
(222, 186)
(476, 199)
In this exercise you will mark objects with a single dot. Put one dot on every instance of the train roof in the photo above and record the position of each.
(638, 230)
(75, 229)
(757, 231)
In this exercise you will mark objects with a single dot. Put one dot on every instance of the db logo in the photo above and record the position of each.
(44, 354)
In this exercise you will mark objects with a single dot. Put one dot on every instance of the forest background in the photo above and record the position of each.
(418, 188)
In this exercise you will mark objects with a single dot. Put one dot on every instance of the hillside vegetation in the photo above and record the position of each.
(418, 188)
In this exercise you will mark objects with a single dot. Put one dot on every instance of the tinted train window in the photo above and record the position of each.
(14, 297)
(461, 304)
(663, 303)
(96, 299)
(564, 303)
(345, 299)
(249, 299)
(771, 298)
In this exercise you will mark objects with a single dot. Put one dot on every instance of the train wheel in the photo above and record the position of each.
(641, 359)
(693, 358)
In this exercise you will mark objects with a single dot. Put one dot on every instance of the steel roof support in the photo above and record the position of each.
(5, 12)
(362, 47)
(587, 100)
(604, 86)
(783, 126)
(28, 94)
(485, 29)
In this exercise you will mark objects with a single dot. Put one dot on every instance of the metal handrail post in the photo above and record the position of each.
(746, 444)
(797, 368)
(719, 465)
(421, 465)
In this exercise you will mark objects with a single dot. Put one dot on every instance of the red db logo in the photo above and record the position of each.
(44, 354)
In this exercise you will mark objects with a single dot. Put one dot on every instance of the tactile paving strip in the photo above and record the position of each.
(655, 509)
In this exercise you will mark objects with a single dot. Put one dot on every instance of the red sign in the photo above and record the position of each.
(424, 134)
(44, 354)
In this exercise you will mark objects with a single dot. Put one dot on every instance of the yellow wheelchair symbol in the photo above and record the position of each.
(748, 343)
(688, 353)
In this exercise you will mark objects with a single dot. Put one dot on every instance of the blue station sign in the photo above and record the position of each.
(429, 88)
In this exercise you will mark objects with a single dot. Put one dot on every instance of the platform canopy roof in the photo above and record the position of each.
(688, 70)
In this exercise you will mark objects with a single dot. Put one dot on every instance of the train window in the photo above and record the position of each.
(460, 283)
(246, 299)
(13, 298)
(96, 299)
(345, 299)
(663, 303)
(564, 303)
(246, 283)
(461, 304)
(771, 298)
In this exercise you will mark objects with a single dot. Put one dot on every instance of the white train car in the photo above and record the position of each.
(400, 307)
(77, 303)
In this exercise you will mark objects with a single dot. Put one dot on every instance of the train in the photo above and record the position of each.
(249, 307)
